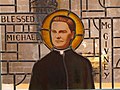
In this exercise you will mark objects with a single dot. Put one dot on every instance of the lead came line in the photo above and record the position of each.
(66, 71)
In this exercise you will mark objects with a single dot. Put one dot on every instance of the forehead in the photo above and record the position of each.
(59, 25)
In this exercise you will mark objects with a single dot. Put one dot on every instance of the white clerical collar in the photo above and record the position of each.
(61, 51)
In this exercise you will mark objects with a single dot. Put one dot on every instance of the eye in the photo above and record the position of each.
(62, 31)
(53, 31)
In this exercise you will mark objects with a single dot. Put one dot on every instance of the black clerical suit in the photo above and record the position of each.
(56, 71)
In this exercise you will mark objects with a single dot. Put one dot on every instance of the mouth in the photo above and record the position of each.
(58, 41)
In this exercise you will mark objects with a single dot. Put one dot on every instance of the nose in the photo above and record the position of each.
(58, 36)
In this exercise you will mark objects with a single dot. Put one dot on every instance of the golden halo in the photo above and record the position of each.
(79, 32)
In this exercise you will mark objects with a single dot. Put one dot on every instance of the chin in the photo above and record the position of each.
(60, 47)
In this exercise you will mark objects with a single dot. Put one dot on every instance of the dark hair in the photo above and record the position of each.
(66, 19)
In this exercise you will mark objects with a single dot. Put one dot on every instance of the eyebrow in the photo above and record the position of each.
(63, 31)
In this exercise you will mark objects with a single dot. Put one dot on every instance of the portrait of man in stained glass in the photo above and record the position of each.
(62, 32)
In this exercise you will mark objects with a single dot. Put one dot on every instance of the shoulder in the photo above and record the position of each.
(45, 59)
(81, 58)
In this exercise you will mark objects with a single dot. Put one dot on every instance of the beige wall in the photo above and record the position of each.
(30, 50)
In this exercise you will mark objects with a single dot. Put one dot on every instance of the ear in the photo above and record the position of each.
(72, 34)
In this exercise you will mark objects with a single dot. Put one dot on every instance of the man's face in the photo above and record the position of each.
(61, 35)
